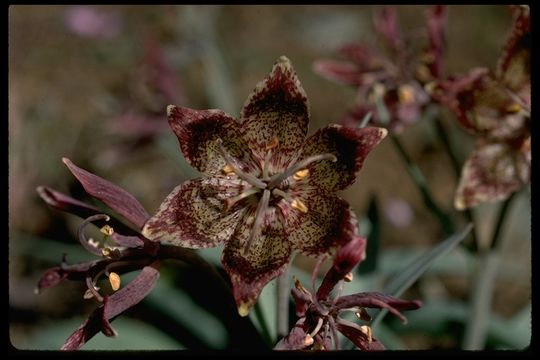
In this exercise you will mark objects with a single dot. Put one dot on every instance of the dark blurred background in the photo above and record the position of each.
(92, 83)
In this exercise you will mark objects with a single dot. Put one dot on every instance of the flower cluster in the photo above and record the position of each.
(319, 313)
(398, 81)
(495, 106)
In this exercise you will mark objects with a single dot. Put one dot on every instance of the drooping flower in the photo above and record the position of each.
(319, 312)
(266, 190)
(397, 81)
(495, 106)
(123, 249)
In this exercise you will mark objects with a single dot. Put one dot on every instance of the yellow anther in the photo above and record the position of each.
(308, 340)
(228, 169)
(107, 230)
(367, 331)
(348, 277)
(243, 309)
(299, 205)
(93, 243)
(300, 174)
(272, 143)
(513, 108)
(362, 314)
(377, 92)
(88, 294)
(406, 94)
(114, 279)
(106, 252)
(423, 73)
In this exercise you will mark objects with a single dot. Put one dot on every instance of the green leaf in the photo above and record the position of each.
(372, 251)
(417, 268)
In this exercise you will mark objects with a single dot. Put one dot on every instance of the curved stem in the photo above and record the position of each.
(443, 136)
(420, 181)
(283, 289)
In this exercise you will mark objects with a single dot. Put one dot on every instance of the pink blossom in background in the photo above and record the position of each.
(90, 22)
(398, 212)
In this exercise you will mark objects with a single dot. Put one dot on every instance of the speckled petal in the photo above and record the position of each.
(350, 145)
(277, 108)
(296, 339)
(514, 67)
(492, 173)
(194, 214)
(266, 259)
(328, 222)
(198, 132)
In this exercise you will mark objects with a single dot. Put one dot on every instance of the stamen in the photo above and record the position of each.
(283, 194)
(299, 175)
(267, 158)
(513, 108)
(114, 279)
(259, 216)
(308, 340)
(299, 205)
(367, 331)
(228, 169)
(242, 175)
(317, 328)
(232, 200)
(107, 230)
(348, 277)
(92, 288)
(406, 94)
(82, 238)
(272, 143)
(278, 178)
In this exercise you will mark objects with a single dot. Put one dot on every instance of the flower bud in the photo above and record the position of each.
(350, 255)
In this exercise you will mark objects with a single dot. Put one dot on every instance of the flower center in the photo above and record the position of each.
(272, 186)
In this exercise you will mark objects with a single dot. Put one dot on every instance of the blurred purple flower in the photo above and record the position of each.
(396, 80)
(495, 106)
(320, 314)
(398, 212)
(90, 22)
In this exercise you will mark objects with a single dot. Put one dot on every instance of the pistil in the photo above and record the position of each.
(259, 216)
(252, 180)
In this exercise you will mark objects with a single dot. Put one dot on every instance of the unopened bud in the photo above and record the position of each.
(349, 255)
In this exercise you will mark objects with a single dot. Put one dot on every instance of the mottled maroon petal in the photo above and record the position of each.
(515, 62)
(198, 133)
(195, 215)
(377, 300)
(277, 109)
(436, 18)
(127, 241)
(351, 147)
(267, 257)
(360, 339)
(296, 339)
(328, 222)
(491, 173)
(386, 23)
(117, 303)
(112, 195)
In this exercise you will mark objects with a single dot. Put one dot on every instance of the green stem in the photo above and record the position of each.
(282, 316)
(420, 181)
(443, 136)
(484, 282)
(264, 324)
(495, 238)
